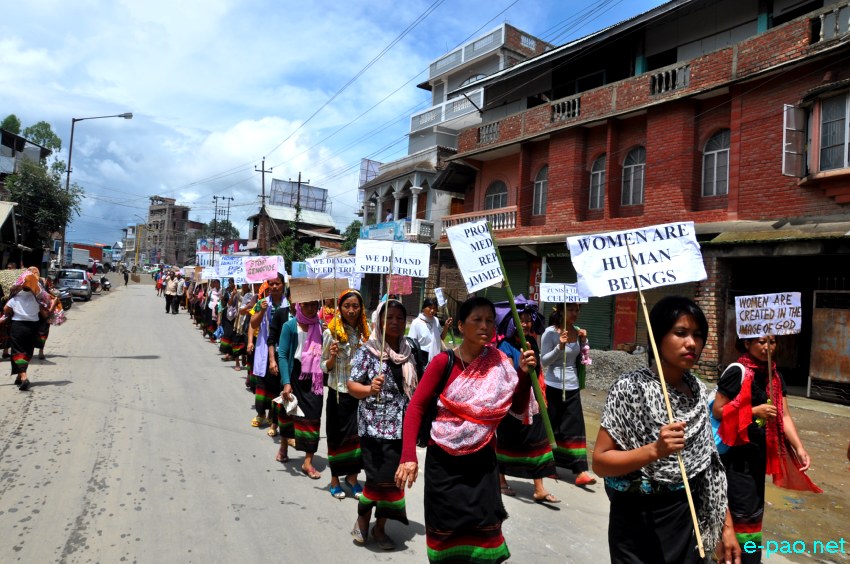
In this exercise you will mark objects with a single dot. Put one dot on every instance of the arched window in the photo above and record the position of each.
(633, 176)
(597, 184)
(496, 196)
(715, 165)
(541, 189)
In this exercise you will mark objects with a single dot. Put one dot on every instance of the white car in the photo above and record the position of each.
(75, 282)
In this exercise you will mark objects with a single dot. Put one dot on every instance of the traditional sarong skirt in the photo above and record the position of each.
(343, 441)
(463, 507)
(523, 450)
(43, 333)
(380, 461)
(265, 390)
(651, 528)
(225, 346)
(745, 474)
(567, 421)
(24, 336)
(238, 343)
(210, 323)
(306, 428)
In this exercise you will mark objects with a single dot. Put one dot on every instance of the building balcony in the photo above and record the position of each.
(419, 231)
(501, 219)
(457, 113)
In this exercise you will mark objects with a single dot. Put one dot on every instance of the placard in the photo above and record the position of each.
(441, 299)
(299, 270)
(354, 281)
(409, 259)
(230, 266)
(559, 292)
(662, 255)
(768, 314)
(475, 255)
(209, 273)
(314, 289)
(259, 269)
(401, 285)
(330, 267)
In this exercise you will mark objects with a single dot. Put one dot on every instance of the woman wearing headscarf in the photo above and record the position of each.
(426, 330)
(463, 508)
(562, 357)
(523, 451)
(346, 333)
(23, 313)
(328, 312)
(300, 351)
(756, 422)
(384, 381)
(650, 519)
(269, 314)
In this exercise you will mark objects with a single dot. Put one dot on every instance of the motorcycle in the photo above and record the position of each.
(105, 283)
(66, 299)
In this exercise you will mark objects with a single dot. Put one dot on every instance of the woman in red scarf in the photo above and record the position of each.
(757, 425)
(463, 507)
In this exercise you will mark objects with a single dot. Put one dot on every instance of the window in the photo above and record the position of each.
(496, 196)
(597, 184)
(541, 189)
(633, 174)
(833, 132)
(715, 165)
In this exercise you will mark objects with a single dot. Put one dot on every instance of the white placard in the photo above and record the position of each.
(354, 282)
(345, 266)
(209, 273)
(559, 293)
(475, 255)
(230, 266)
(409, 259)
(441, 299)
(662, 255)
(330, 267)
(768, 314)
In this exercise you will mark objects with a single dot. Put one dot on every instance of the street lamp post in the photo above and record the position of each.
(125, 115)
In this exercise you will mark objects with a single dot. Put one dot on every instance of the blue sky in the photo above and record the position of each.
(216, 85)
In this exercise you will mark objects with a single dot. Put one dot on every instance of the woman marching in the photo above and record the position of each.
(649, 519)
(300, 351)
(229, 309)
(23, 312)
(564, 381)
(52, 303)
(463, 508)
(269, 314)
(345, 334)
(523, 451)
(756, 421)
(245, 301)
(383, 381)
(211, 310)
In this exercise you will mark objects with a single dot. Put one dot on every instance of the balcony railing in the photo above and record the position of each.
(501, 219)
(468, 52)
(669, 79)
(566, 109)
(447, 111)
(835, 22)
(488, 133)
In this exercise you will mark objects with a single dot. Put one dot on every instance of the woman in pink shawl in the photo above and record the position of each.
(23, 312)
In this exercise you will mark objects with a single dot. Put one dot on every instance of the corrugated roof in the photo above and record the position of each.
(283, 213)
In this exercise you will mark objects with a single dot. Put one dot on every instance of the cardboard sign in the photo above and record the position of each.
(441, 299)
(472, 246)
(409, 259)
(768, 314)
(259, 269)
(559, 293)
(314, 289)
(662, 255)
(189, 272)
(401, 285)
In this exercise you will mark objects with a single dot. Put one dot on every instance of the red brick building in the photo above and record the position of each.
(731, 114)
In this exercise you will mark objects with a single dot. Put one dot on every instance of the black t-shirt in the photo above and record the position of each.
(280, 317)
(730, 385)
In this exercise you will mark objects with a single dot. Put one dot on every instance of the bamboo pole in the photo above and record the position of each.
(669, 407)
(384, 324)
(564, 368)
(532, 372)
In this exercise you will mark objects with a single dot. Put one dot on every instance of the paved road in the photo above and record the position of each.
(134, 445)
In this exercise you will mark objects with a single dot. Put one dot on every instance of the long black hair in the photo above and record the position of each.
(667, 311)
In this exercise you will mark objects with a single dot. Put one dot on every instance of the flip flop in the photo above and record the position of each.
(508, 491)
(281, 457)
(272, 432)
(311, 473)
(548, 498)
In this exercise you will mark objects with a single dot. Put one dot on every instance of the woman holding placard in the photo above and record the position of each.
(563, 347)
(345, 334)
(650, 518)
(474, 388)
(267, 317)
(756, 421)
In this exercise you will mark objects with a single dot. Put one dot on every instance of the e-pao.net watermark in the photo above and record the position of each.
(796, 547)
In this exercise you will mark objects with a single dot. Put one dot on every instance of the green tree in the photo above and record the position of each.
(43, 204)
(223, 230)
(290, 247)
(11, 124)
(351, 234)
(42, 134)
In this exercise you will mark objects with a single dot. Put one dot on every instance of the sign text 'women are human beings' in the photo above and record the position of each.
(408, 259)
(764, 315)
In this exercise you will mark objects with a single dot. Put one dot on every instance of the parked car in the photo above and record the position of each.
(76, 282)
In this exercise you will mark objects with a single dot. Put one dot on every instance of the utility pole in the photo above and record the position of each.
(229, 199)
(261, 224)
(215, 230)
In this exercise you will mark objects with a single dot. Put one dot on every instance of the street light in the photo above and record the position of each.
(125, 115)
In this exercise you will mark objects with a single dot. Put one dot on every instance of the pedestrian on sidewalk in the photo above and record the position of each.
(650, 519)
(23, 313)
(170, 292)
(126, 276)
(181, 293)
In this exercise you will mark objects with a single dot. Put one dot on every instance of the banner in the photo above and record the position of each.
(209, 274)
(768, 314)
(230, 266)
(259, 269)
(328, 267)
(558, 293)
(475, 255)
(401, 285)
(314, 289)
(662, 255)
(441, 299)
(409, 259)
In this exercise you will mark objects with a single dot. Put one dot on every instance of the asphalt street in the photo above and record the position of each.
(134, 444)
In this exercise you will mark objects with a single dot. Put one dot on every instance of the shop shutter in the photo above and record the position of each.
(652, 297)
(517, 274)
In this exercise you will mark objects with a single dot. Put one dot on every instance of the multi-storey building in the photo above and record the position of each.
(731, 114)
(166, 236)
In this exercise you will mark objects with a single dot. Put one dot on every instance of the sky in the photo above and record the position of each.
(216, 86)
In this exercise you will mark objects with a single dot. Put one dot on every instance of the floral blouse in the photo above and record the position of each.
(379, 417)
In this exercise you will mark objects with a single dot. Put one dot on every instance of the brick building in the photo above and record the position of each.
(731, 114)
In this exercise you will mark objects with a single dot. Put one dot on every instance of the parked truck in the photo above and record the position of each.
(79, 258)
(95, 251)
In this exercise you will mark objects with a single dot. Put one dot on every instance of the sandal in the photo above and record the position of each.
(272, 432)
(259, 421)
(508, 491)
(585, 479)
(282, 456)
(311, 473)
(338, 492)
(546, 498)
(356, 489)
